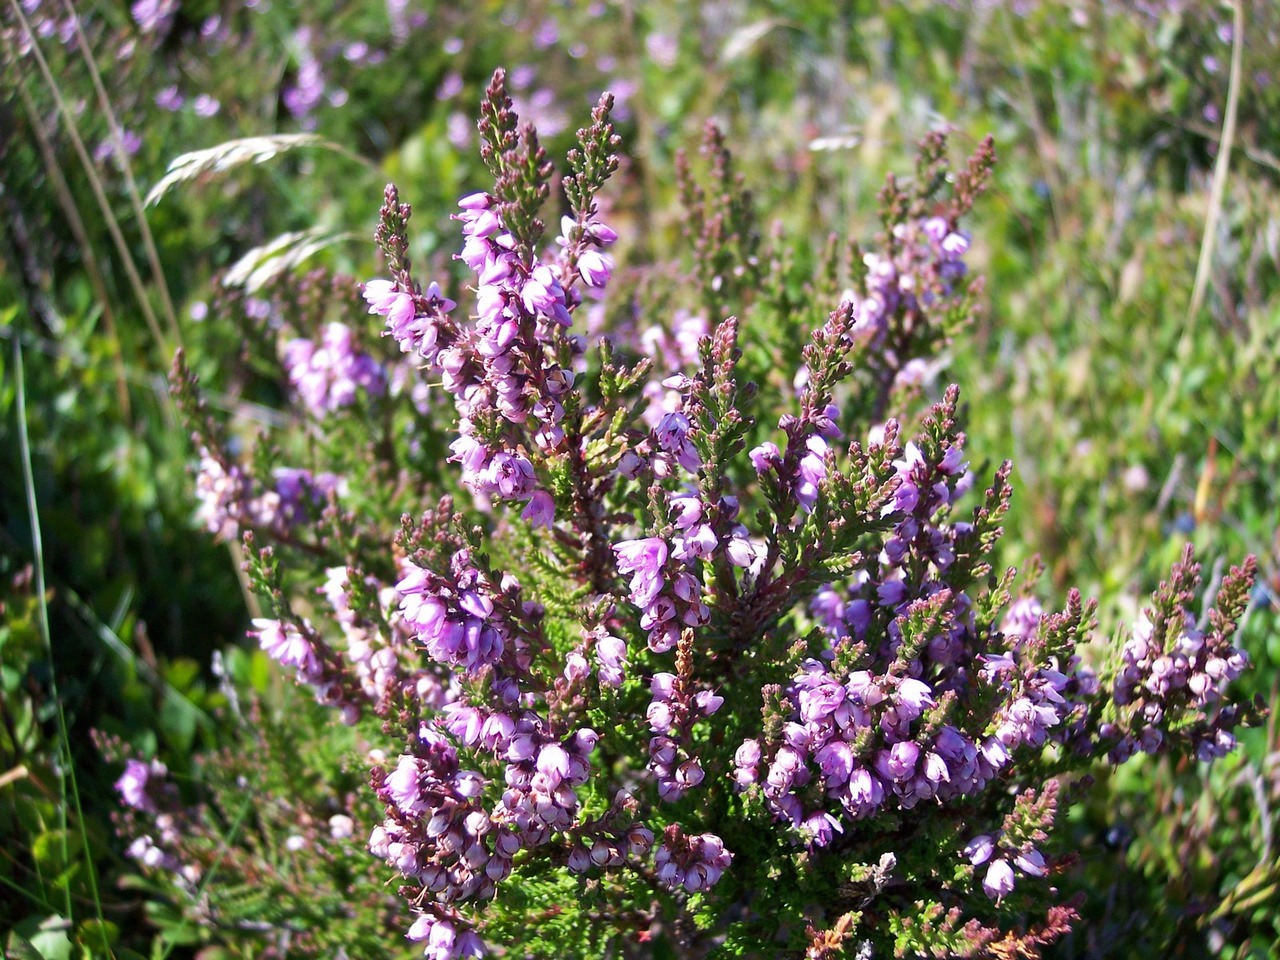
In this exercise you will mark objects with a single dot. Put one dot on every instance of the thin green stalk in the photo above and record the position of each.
(76, 223)
(95, 182)
(1221, 168)
(122, 158)
(39, 901)
(66, 764)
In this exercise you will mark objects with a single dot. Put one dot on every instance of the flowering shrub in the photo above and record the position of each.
(263, 855)
(700, 648)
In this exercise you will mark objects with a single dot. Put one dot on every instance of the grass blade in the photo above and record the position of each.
(236, 153)
(66, 764)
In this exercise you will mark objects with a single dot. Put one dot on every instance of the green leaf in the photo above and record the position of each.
(19, 948)
(49, 939)
(97, 935)
(50, 851)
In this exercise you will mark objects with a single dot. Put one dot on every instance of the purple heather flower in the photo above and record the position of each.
(134, 783)
(329, 375)
(745, 760)
(1021, 619)
(576, 667)
(698, 541)
(540, 511)
(765, 456)
(912, 697)
(595, 268)
(384, 298)
(671, 435)
(692, 862)
(898, 763)
(307, 92)
(512, 476)
(891, 593)
(708, 702)
(812, 471)
(287, 645)
(979, 850)
(443, 939)
(170, 99)
(404, 785)
(836, 760)
(611, 653)
(643, 559)
(153, 16)
(821, 827)
(865, 793)
(205, 106)
(223, 495)
(686, 511)
(935, 769)
(998, 882)
(341, 826)
(1031, 863)
(745, 552)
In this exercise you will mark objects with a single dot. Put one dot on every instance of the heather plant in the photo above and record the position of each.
(250, 850)
(698, 639)
(1188, 853)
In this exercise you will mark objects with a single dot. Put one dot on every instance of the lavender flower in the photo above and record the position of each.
(138, 784)
(695, 863)
(328, 376)
(153, 16)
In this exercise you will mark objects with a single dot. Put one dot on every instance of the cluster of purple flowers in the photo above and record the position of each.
(542, 778)
(228, 503)
(923, 489)
(286, 644)
(671, 447)
(144, 787)
(1041, 704)
(670, 714)
(307, 91)
(504, 363)
(694, 862)
(446, 938)
(297, 492)
(315, 664)
(926, 262)
(418, 332)
(140, 783)
(153, 16)
(667, 594)
(463, 620)
(999, 878)
(381, 661)
(1160, 681)
(810, 468)
(857, 739)
(437, 831)
(600, 848)
(223, 495)
(329, 376)
(864, 738)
